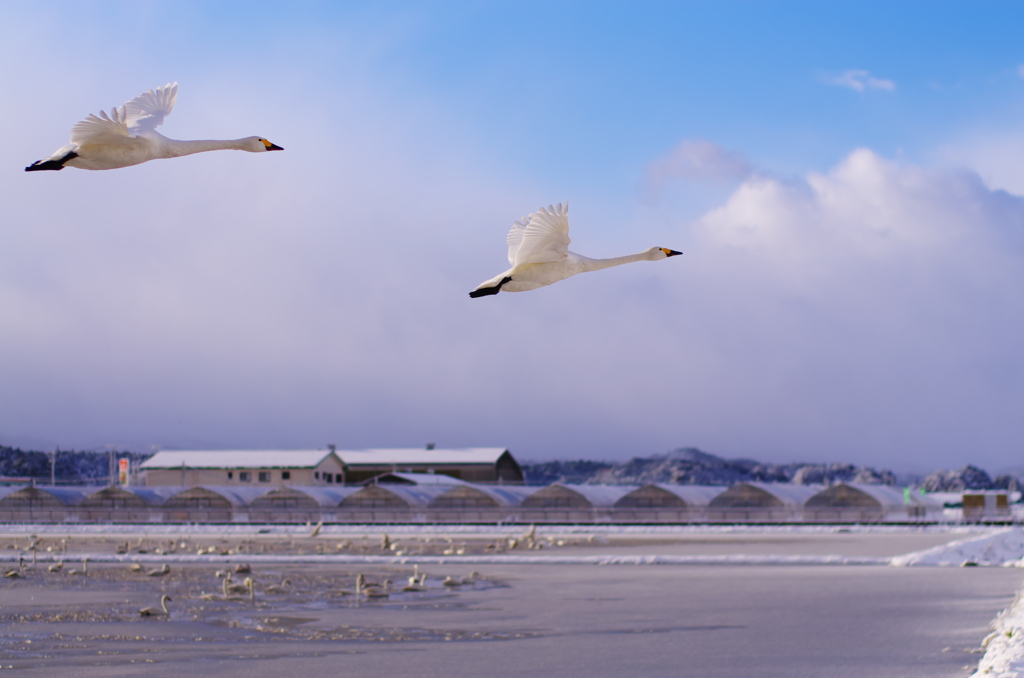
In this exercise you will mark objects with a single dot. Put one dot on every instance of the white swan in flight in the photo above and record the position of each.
(538, 249)
(128, 137)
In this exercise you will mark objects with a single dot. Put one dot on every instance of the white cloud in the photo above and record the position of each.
(872, 308)
(860, 80)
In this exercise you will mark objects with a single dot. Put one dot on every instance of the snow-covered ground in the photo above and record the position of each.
(1004, 647)
(1003, 547)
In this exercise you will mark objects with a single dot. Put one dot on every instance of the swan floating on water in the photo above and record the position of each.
(278, 588)
(162, 612)
(538, 249)
(128, 137)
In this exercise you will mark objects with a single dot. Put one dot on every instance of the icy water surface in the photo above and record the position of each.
(503, 620)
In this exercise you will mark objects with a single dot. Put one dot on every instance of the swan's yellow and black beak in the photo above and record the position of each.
(670, 253)
(270, 146)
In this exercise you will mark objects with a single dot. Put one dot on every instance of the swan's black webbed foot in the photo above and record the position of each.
(487, 291)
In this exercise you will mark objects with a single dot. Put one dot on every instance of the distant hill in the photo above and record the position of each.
(969, 478)
(573, 472)
(692, 466)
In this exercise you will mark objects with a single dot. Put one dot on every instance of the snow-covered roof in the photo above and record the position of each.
(329, 497)
(219, 459)
(693, 495)
(789, 494)
(416, 495)
(508, 495)
(420, 456)
(69, 496)
(599, 495)
(10, 489)
(151, 496)
(504, 495)
(237, 496)
(154, 496)
(414, 479)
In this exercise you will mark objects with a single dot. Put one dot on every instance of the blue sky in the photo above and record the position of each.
(843, 178)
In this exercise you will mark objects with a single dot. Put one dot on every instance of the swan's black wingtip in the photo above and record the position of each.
(54, 165)
(487, 291)
(39, 166)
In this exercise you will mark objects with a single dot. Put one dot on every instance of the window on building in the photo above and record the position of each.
(328, 477)
(245, 476)
(286, 475)
(264, 476)
(339, 478)
(316, 474)
(230, 475)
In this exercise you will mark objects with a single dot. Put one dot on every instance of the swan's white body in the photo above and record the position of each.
(128, 137)
(538, 249)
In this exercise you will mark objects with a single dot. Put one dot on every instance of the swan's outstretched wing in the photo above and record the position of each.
(147, 111)
(515, 238)
(105, 128)
(545, 238)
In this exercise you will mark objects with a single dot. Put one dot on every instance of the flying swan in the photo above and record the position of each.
(128, 137)
(538, 249)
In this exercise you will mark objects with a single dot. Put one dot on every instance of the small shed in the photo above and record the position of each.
(760, 502)
(861, 503)
(986, 505)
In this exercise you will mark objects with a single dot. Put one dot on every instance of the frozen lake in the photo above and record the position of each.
(664, 620)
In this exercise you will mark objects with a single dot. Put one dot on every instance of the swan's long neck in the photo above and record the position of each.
(175, 149)
(163, 604)
(597, 264)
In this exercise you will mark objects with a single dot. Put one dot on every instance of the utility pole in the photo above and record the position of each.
(53, 466)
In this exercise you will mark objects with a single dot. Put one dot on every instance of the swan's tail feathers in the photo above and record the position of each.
(487, 291)
(56, 165)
